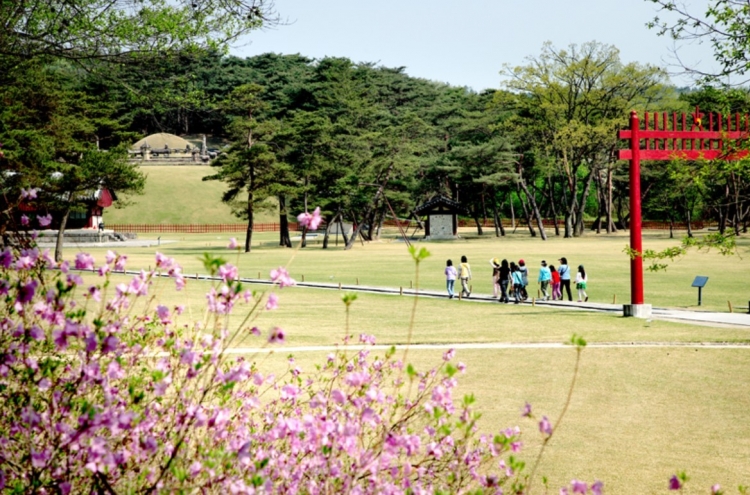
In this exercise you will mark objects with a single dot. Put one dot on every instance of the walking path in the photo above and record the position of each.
(700, 317)
(483, 346)
(682, 315)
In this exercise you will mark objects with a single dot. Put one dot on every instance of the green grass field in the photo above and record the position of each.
(639, 413)
(178, 195)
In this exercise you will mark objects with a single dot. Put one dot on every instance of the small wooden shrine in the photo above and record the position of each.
(442, 217)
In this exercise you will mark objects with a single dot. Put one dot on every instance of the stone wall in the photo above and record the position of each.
(441, 227)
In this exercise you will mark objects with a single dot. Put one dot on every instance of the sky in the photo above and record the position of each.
(467, 42)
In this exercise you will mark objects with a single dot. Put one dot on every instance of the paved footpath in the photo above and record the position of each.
(684, 316)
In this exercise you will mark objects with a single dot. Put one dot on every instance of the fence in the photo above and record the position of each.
(196, 228)
(549, 222)
(275, 227)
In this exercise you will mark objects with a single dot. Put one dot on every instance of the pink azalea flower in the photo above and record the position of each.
(232, 243)
(273, 302)
(579, 487)
(26, 292)
(84, 261)
(163, 313)
(110, 257)
(29, 193)
(545, 426)
(228, 272)
(597, 487)
(110, 344)
(39, 459)
(120, 263)
(95, 293)
(24, 220)
(526, 411)
(6, 258)
(289, 392)
(674, 483)
(311, 221)
(45, 220)
(277, 336)
(281, 276)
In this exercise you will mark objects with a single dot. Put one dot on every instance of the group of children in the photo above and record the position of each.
(511, 280)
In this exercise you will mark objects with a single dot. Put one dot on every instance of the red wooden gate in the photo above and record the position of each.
(669, 137)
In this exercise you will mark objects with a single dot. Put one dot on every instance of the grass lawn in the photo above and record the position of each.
(638, 414)
(178, 195)
(386, 263)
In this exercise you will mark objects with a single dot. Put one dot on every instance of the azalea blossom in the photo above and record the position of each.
(674, 483)
(579, 486)
(277, 336)
(29, 193)
(311, 221)
(84, 261)
(545, 426)
(44, 221)
(232, 243)
(273, 302)
(281, 276)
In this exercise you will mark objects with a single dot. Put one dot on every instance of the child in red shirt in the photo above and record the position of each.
(556, 293)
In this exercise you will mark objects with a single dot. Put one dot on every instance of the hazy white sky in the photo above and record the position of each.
(466, 42)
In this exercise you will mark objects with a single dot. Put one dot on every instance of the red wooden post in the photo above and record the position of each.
(636, 244)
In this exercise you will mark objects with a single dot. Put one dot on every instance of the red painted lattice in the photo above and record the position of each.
(692, 136)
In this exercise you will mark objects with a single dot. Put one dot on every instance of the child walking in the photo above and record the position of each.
(450, 277)
(517, 279)
(544, 278)
(504, 281)
(495, 264)
(564, 271)
(581, 284)
(525, 276)
(556, 294)
(465, 277)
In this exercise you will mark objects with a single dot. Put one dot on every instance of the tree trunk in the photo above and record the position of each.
(527, 214)
(341, 229)
(599, 205)
(61, 235)
(498, 224)
(328, 230)
(611, 228)
(284, 238)
(582, 206)
(553, 206)
(671, 227)
(512, 212)
(479, 225)
(370, 207)
(249, 234)
(534, 207)
(689, 226)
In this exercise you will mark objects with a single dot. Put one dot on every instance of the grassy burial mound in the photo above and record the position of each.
(178, 195)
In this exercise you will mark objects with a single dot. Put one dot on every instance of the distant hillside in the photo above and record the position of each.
(177, 195)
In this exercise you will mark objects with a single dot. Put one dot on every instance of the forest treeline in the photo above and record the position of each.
(366, 142)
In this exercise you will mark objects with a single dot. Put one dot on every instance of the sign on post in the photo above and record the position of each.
(700, 282)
